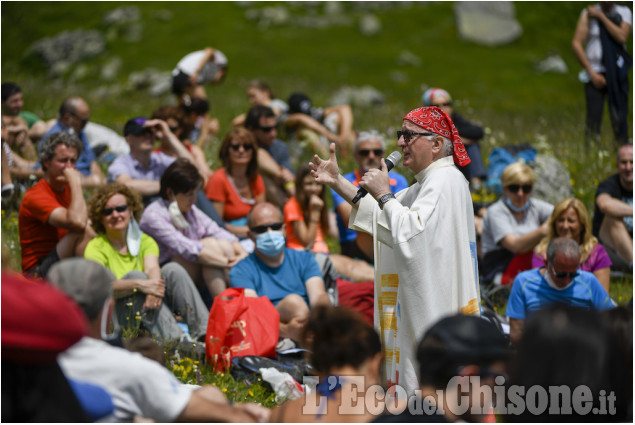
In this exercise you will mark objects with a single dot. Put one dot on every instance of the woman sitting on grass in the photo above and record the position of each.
(143, 291)
(307, 223)
(236, 187)
(185, 234)
(571, 219)
(346, 354)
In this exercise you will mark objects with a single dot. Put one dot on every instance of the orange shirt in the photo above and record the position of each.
(220, 189)
(292, 212)
(37, 237)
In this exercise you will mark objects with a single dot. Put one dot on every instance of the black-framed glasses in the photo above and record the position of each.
(515, 187)
(266, 129)
(366, 152)
(246, 146)
(448, 103)
(562, 275)
(119, 208)
(264, 227)
(407, 135)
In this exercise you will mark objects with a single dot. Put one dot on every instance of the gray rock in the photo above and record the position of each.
(122, 16)
(111, 68)
(269, 16)
(487, 23)
(69, 47)
(154, 81)
(553, 63)
(359, 97)
(124, 22)
(333, 8)
(369, 25)
(407, 58)
(553, 181)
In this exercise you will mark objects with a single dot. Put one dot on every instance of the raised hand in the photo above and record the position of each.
(325, 171)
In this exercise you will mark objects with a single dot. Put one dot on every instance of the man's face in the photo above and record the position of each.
(257, 96)
(563, 269)
(78, 119)
(64, 157)
(442, 101)
(266, 131)
(265, 215)
(417, 154)
(368, 154)
(13, 105)
(143, 143)
(625, 166)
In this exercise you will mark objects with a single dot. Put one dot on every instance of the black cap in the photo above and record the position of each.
(459, 340)
(299, 103)
(135, 126)
(470, 338)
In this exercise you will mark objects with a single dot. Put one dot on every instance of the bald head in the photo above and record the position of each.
(625, 166)
(264, 213)
(74, 113)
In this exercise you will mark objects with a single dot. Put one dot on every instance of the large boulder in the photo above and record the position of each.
(553, 181)
(488, 23)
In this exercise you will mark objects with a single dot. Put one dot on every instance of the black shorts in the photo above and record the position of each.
(351, 249)
(43, 266)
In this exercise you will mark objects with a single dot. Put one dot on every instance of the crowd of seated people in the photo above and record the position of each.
(174, 233)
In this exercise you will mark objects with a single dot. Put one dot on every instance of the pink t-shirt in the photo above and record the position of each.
(598, 259)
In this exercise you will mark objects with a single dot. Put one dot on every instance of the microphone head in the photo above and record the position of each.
(393, 159)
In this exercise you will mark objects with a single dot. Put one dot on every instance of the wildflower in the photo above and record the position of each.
(224, 389)
(250, 393)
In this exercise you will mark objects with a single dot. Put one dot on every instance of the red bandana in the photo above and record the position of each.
(435, 120)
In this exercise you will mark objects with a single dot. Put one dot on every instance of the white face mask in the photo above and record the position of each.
(133, 237)
(176, 216)
(551, 283)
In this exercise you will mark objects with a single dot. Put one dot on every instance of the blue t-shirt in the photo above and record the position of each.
(397, 183)
(531, 292)
(276, 283)
(280, 153)
(87, 156)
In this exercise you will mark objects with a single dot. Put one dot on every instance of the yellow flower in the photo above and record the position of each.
(224, 390)
(250, 393)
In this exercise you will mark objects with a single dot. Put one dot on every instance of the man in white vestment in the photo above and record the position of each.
(424, 238)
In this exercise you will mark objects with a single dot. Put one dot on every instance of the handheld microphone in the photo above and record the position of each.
(392, 160)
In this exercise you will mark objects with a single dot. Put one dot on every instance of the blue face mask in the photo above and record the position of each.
(270, 243)
(515, 208)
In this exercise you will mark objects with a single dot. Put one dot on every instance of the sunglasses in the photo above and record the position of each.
(562, 275)
(266, 129)
(438, 105)
(82, 120)
(525, 187)
(264, 227)
(245, 146)
(119, 208)
(407, 135)
(366, 152)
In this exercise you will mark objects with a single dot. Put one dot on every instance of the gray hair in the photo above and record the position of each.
(447, 148)
(365, 136)
(565, 246)
(53, 140)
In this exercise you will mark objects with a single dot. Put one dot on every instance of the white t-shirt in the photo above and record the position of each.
(499, 222)
(593, 43)
(138, 386)
(190, 63)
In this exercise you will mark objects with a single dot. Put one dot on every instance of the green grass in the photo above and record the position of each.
(494, 85)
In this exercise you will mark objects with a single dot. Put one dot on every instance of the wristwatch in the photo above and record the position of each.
(385, 198)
